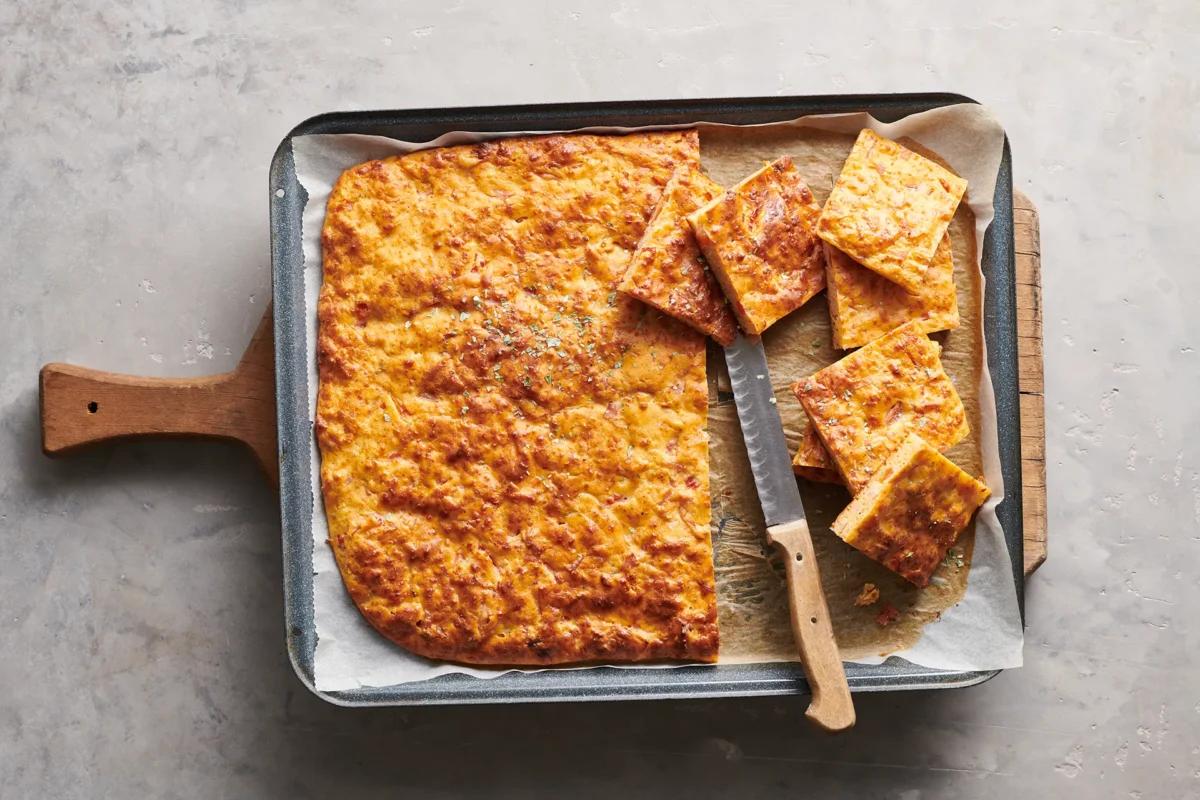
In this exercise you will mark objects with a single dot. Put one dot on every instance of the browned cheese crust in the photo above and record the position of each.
(864, 305)
(812, 460)
(758, 238)
(866, 404)
(514, 456)
(889, 209)
(912, 511)
(668, 271)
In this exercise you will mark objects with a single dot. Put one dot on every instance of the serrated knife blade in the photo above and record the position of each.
(832, 707)
(762, 430)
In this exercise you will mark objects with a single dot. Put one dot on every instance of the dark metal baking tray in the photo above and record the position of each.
(601, 683)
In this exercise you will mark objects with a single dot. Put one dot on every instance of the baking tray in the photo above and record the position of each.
(602, 683)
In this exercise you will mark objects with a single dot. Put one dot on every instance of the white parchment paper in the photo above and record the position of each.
(982, 632)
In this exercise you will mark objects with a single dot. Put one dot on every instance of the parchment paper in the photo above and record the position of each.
(967, 619)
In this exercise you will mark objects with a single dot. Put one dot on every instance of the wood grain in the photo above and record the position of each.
(831, 707)
(80, 407)
(1027, 240)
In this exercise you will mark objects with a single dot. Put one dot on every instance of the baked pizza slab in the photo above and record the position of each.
(514, 459)
(912, 511)
(864, 305)
(865, 405)
(668, 271)
(812, 460)
(758, 239)
(889, 209)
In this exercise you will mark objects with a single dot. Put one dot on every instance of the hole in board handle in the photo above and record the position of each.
(799, 556)
(813, 620)
(93, 407)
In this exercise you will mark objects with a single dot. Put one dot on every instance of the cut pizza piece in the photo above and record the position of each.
(758, 238)
(890, 208)
(864, 305)
(812, 459)
(667, 270)
(866, 404)
(911, 511)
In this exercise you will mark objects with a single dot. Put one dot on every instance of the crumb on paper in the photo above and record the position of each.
(868, 596)
(887, 615)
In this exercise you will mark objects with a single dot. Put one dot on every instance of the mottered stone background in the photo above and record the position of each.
(141, 601)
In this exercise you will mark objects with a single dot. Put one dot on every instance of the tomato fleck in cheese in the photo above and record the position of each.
(758, 238)
(864, 305)
(912, 511)
(514, 460)
(668, 271)
(890, 208)
(866, 404)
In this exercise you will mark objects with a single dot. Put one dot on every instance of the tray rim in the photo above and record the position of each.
(628, 683)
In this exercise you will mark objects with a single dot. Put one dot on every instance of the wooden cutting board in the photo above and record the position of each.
(1027, 237)
(81, 406)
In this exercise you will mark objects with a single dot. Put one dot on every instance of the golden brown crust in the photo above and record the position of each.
(912, 511)
(758, 238)
(866, 404)
(668, 271)
(890, 208)
(812, 460)
(514, 456)
(864, 305)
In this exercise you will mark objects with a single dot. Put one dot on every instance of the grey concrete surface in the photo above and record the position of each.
(142, 648)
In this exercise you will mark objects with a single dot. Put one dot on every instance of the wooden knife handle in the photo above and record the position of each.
(832, 707)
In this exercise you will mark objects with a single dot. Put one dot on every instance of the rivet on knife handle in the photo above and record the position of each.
(831, 707)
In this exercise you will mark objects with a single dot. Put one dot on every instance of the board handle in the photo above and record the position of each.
(831, 707)
(81, 407)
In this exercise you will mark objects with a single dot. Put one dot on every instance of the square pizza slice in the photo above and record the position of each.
(759, 239)
(911, 511)
(865, 405)
(864, 305)
(889, 209)
(667, 270)
(812, 459)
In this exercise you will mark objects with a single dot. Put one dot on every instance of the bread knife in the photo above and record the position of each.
(831, 706)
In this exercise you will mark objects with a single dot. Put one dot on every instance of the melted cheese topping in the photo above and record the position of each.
(812, 460)
(514, 456)
(865, 405)
(668, 271)
(890, 208)
(758, 238)
(864, 305)
(912, 511)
